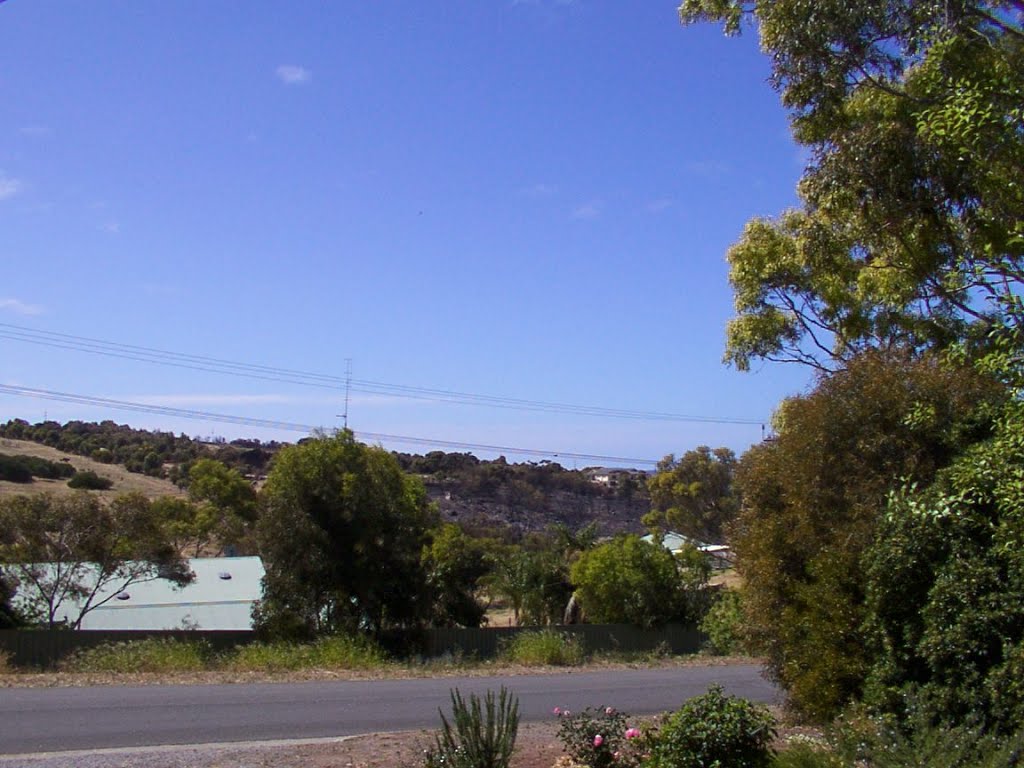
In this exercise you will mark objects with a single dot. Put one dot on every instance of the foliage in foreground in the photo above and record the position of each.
(478, 736)
(813, 501)
(715, 729)
(881, 742)
(544, 647)
(600, 737)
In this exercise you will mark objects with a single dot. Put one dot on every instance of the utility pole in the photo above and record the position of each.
(348, 387)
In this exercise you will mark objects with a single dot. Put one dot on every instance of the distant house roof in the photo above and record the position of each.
(675, 542)
(221, 597)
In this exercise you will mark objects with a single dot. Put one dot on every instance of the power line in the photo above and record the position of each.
(325, 381)
(288, 426)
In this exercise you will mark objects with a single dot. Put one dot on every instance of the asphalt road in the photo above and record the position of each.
(55, 719)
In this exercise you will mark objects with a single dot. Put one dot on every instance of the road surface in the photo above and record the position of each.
(55, 719)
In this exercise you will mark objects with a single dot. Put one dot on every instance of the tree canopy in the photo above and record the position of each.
(910, 230)
(814, 497)
(694, 494)
(342, 536)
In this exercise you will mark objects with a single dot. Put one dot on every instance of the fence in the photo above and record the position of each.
(44, 648)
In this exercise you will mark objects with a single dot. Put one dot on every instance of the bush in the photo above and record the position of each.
(881, 743)
(477, 738)
(21, 469)
(90, 481)
(804, 754)
(334, 652)
(715, 730)
(723, 625)
(545, 647)
(150, 655)
(599, 738)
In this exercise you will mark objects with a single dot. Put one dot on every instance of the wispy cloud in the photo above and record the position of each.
(35, 131)
(9, 187)
(709, 168)
(587, 211)
(539, 190)
(293, 74)
(20, 307)
(660, 205)
(111, 227)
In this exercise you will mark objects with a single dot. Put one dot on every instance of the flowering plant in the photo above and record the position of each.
(599, 737)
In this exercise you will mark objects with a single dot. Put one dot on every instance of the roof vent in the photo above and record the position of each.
(224, 576)
(122, 596)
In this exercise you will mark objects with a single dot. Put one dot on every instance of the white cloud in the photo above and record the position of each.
(587, 211)
(292, 74)
(8, 187)
(20, 307)
(111, 227)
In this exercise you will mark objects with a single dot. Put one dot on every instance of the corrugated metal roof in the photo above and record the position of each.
(221, 597)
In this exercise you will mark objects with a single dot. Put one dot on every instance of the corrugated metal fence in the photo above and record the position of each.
(44, 648)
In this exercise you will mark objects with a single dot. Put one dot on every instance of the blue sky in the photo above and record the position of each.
(519, 199)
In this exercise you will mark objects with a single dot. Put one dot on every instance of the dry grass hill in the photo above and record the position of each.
(124, 481)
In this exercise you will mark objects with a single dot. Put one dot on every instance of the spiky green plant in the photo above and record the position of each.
(478, 736)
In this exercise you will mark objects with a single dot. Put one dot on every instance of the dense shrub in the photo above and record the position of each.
(90, 481)
(715, 730)
(881, 742)
(632, 581)
(812, 501)
(22, 469)
(545, 647)
(723, 625)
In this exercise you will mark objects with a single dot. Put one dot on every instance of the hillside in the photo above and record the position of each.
(527, 497)
(124, 481)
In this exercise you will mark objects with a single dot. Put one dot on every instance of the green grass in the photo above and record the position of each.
(150, 655)
(336, 652)
(543, 648)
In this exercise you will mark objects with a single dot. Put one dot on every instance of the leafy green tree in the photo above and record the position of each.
(455, 565)
(945, 580)
(535, 582)
(223, 509)
(694, 495)
(813, 498)
(632, 581)
(909, 230)
(72, 554)
(342, 536)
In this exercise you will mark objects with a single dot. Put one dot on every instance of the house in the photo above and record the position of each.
(220, 597)
(719, 556)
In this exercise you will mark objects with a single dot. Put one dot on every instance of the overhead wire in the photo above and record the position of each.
(325, 381)
(188, 413)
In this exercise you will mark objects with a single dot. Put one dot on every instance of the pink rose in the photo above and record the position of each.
(598, 740)
(609, 711)
(632, 733)
(556, 711)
